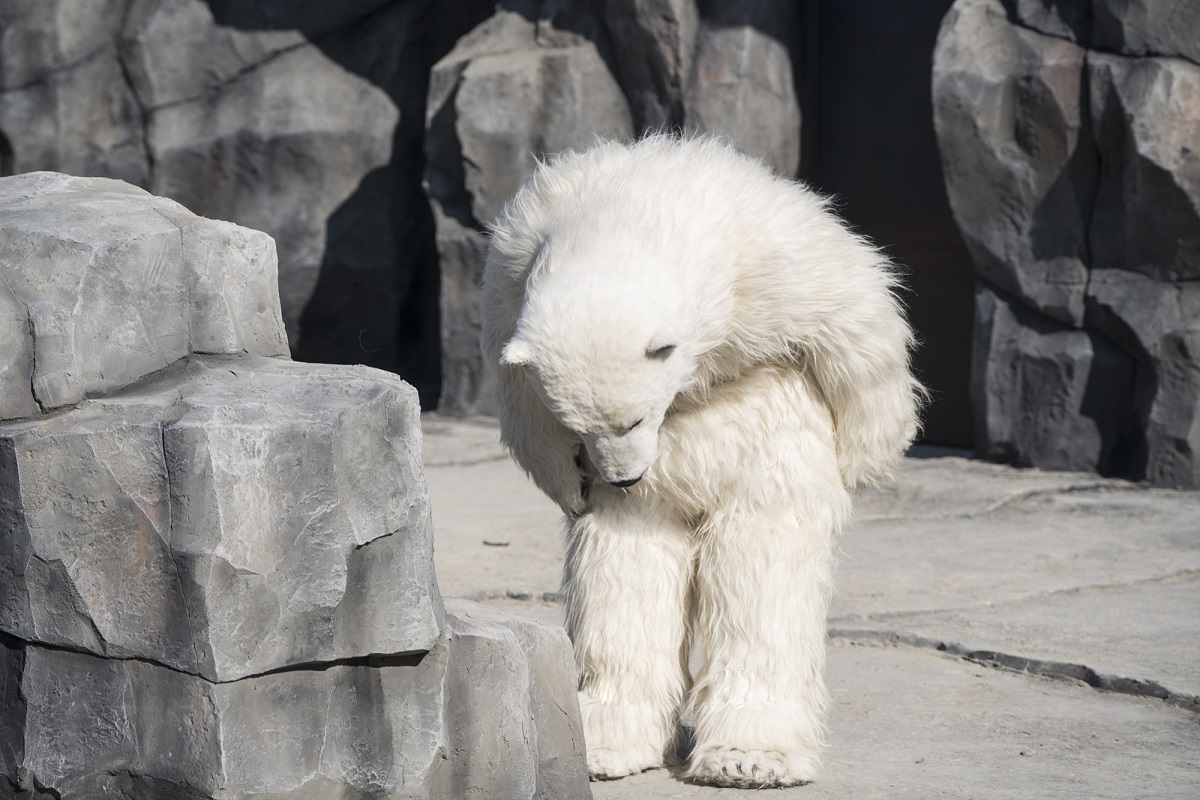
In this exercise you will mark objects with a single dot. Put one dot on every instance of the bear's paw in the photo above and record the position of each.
(751, 769)
(605, 764)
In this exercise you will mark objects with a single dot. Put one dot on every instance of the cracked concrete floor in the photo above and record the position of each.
(977, 608)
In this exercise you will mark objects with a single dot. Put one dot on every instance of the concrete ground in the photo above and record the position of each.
(996, 632)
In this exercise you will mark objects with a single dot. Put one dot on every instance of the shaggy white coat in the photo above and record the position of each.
(672, 311)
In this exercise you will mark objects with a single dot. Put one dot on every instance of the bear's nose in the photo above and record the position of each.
(626, 484)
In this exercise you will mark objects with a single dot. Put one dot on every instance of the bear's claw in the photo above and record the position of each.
(750, 769)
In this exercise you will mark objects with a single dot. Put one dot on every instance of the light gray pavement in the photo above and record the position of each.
(996, 632)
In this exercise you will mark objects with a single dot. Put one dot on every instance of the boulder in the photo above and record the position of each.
(200, 543)
(83, 120)
(653, 43)
(64, 102)
(41, 37)
(301, 119)
(1158, 322)
(472, 717)
(742, 84)
(1019, 165)
(72, 253)
(1071, 147)
(515, 89)
(1146, 122)
(230, 517)
(295, 134)
(1049, 395)
(1130, 27)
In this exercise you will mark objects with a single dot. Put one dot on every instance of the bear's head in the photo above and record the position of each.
(608, 348)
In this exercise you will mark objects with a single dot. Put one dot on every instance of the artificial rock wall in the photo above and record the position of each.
(1070, 139)
(303, 120)
(542, 76)
(318, 123)
(216, 573)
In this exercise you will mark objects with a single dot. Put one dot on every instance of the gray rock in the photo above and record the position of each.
(1159, 322)
(1146, 121)
(653, 43)
(1048, 395)
(42, 37)
(1130, 27)
(74, 114)
(742, 85)
(547, 697)
(177, 53)
(460, 721)
(515, 89)
(1147, 27)
(301, 119)
(468, 385)
(512, 108)
(1070, 19)
(230, 517)
(216, 574)
(1020, 168)
(299, 134)
(1074, 176)
(205, 286)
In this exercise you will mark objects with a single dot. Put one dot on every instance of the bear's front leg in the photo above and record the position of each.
(763, 583)
(626, 585)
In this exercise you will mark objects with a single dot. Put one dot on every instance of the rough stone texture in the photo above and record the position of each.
(270, 514)
(1019, 164)
(1070, 138)
(1146, 121)
(317, 122)
(216, 567)
(1134, 27)
(303, 120)
(208, 287)
(742, 85)
(64, 102)
(1044, 390)
(515, 89)
(1159, 323)
(541, 76)
(473, 717)
(653, 43)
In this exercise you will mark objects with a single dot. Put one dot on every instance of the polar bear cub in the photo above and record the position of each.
(698, 362)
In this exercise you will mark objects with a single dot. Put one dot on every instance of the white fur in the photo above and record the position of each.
(672, 311)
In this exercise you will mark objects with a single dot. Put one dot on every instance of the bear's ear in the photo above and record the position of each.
(515, 353)
(661, 346)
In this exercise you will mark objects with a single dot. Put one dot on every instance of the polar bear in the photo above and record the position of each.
(699, 363)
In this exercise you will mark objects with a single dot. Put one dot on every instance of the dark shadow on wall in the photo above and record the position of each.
(6, 156)
(375, 299)
(868, 139)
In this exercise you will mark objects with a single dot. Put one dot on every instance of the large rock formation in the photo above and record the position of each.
(543, 76)
(201, 540)
(309, 121)
(301, 120)
(478, 715)
(1070, 137)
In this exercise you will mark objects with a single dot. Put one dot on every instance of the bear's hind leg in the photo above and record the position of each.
(626, 584)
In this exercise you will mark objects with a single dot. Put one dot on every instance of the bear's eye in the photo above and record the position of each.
(631, 427)
(662, 352)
